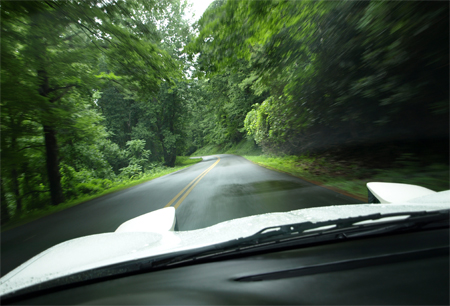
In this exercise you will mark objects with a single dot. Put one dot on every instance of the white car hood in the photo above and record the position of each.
(99, 250)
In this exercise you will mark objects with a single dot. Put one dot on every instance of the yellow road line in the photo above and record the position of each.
(184, 189)
(196, 180)
(192, 187)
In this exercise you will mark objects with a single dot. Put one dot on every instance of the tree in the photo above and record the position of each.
(136, 110)
(337, 73)
(53, 49)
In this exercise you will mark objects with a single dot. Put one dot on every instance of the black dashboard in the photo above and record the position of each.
(411, 268)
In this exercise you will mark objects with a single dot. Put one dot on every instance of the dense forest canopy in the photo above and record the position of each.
(98, 91)
(332, 72)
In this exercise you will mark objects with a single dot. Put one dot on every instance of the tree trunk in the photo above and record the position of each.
(3, 205)
(169, 159)
(54, 176)
(15, 178)
(16, 190)
(51, 148)
(169, 155)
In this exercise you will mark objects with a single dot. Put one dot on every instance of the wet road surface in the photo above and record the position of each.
(219, 188)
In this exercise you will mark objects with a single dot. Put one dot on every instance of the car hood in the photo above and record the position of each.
(100, 250)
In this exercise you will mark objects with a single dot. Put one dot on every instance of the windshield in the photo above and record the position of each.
(114, 109)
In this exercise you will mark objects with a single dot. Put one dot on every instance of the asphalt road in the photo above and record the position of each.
(220, 188)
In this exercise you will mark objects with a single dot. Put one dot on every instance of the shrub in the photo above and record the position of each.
(132, 170)
(87, 188)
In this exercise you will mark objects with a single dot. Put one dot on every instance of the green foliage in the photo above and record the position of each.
(136, 152)
(244, 147)
(186, 161)
(335, 72)
(87, 188)
(59, 61)
(131, 171)
(219, 108)
(135, 109)
(351, 177)
(103, 187)
(98, 93)
(208, 150)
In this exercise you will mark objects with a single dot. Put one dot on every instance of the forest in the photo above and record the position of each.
(104, 91)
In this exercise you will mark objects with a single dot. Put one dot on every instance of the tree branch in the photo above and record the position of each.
(30, 147)
(61, 95)
(71, 36)
(64, 87)
(82, 26)
(115, 81)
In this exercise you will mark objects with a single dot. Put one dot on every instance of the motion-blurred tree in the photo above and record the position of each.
(50, 53)
(136, 111)
(337, 72)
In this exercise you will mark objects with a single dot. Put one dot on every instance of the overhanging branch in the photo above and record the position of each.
(61, 95)
(31, 147)
(64, 87)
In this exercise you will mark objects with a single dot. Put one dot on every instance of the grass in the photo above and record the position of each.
(181, 163)
(245, 147)
(351, 178)
(208, 150)
(315, 171)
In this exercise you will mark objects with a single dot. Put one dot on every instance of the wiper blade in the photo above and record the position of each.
(298, 234)
(384, 222)
(309, 232)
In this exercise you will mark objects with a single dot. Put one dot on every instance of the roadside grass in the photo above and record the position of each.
(181, 163)
(316, 171)
(245, 147)
(208, 150)
(351, 178)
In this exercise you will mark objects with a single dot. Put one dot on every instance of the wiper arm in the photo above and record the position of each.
(309, 232)
(349, 226)
(285, 235)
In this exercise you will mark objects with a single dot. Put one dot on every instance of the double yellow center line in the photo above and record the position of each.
(191, 186)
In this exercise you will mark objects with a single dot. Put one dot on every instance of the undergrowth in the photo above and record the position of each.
(96, 188)
(244, 147)
(352, 177)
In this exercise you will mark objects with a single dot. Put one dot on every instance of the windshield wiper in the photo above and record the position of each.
(270, 238)
(308, 232)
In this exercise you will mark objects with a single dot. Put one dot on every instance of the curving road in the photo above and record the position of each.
(219, 188)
